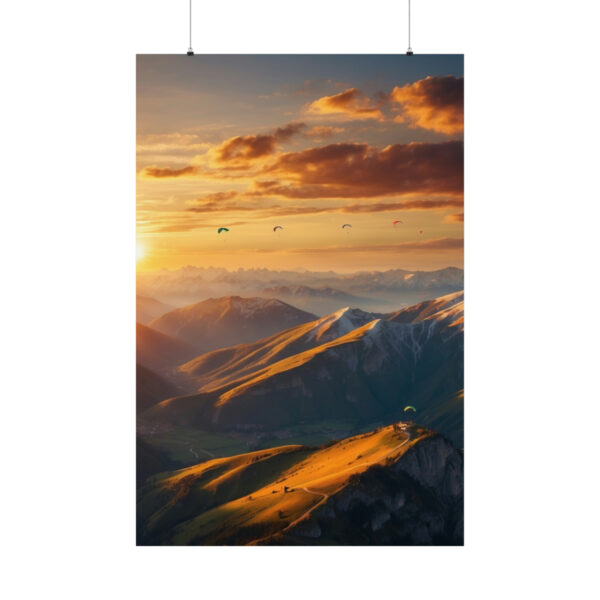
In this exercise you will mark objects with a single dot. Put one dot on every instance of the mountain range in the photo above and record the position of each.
(320, 300)
(319, 292)
(215, 369)
(354, 366)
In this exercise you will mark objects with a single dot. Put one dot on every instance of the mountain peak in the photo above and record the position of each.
(375, 325)
(341, 322)
(342, 311)
(229, 320)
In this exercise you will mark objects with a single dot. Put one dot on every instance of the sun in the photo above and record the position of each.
(140, 251)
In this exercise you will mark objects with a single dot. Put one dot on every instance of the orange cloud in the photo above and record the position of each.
(186, 224)
(164, 142)
(250, 147)
(234, 154)
(319, 132)
(351, 104)
(456, 218)
(160, 173)
(434, 103)
(230, 202)
(352, 170)
(431, 245)
(404, 205)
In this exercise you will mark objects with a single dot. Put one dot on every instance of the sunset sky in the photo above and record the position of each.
(305, 142)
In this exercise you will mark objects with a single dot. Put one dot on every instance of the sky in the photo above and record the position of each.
(308, 143)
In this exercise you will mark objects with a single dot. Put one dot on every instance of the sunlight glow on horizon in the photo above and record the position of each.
(140, 251)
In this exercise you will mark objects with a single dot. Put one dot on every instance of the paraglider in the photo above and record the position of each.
(410, 407)
(346, 225)
(420, 232)
(394, 223)
(221, 229)
(276, 228)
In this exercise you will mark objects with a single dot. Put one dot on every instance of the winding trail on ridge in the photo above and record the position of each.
(325, 496)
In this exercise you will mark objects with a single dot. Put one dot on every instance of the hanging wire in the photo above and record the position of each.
(190, 51)
(409, 50)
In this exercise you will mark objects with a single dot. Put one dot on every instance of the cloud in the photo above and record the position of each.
(180, 223)
(435, 245)
(235, 202)
(343, 170)
(251, 147)
(404, 205)
(163, 142)
(319, 132)
(350, 104)
(401, 247)
(282, 134)
(170, 148)
(213, 206)
(434, 103)
(217, 197)
(455, 218)
(353, 170)
(234, 154)
(159, 173)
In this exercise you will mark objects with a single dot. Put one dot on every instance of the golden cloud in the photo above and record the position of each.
(435, 103)
(351, 104)
(352, 170)
(251, 147)
(455, 218)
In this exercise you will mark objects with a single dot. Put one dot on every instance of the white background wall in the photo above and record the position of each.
(67, 247)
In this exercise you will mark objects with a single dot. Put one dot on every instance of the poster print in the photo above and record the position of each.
(300, 300)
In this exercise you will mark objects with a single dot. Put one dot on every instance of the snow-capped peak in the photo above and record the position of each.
(340, 323)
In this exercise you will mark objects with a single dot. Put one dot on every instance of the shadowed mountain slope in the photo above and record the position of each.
(149, 460)
(148, 309)
(157, 351)
(151, 388)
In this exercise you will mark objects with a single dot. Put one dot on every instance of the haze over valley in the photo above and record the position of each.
(318, 292)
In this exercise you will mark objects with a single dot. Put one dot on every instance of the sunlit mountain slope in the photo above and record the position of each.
(361, 373)
(395, 485)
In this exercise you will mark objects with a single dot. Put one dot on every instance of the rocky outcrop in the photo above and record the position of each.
(435, 464)
(418, 500)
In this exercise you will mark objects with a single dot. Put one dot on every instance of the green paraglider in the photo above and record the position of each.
(222, 229)
(407, 408)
